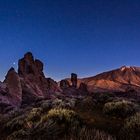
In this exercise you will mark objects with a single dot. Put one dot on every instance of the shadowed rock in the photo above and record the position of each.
(74, 80)
(83, 87)
(13, 83)
(64, 84)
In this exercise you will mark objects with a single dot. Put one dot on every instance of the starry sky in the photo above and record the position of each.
(82, 36)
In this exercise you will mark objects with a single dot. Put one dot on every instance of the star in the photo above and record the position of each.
(14, 63)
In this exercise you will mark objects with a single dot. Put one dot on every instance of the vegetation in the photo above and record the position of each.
(90, 134)
(131, 129)
(120, 109)
(73, 119)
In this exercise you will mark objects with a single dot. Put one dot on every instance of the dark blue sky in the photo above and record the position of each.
(82, 36)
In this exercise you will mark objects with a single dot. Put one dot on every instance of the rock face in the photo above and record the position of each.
(83, 87)
(13, 83)
(34, 84)
(64, 84)
(74, 80)
(29, 66)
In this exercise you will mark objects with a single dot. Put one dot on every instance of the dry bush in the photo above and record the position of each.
(120, 109)
(131, 129)
(90, 134)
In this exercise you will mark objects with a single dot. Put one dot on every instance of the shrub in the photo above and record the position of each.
(65, 118)
(87, 103)
(34, 115)
(131, 129)
(18, 135)
(46, 130)
(90, 134)
(120, 109)
(59, 103)
(68, 103)
(15, 124)
(103, 97)
(46, 105)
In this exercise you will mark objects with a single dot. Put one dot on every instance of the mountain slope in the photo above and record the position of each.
(120, 79)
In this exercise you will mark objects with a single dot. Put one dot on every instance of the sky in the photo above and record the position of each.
(81, 36)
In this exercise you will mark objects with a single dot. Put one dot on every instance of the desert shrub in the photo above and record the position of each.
(131, 129)
(59, 103)
(120, 109)
(103, 97)
(15, 124)
(87, 103)
(46, 130)
(15, 113)
(67, 103)
(18, 135)
(71, 102)
(90, 134)
(68, 119)
(34, 115)
(46, 105)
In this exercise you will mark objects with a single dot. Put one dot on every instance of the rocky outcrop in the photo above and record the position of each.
(5, 99)
(29, 66)
(14, 88)
(74, 80)
(26, 86)
(34, 84)
(83, 87)
(64, 84)
(10, 92)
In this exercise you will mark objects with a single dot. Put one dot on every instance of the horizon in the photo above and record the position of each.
(86, 37)
(15, 66)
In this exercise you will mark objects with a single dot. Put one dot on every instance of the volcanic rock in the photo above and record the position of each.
(83, 87)
(34, 84)
(74, 80)
(64, 84)
(14, 88)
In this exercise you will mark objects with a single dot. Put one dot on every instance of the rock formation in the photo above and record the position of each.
(26, 86)
(64, 84)
(13, 84)
(74, 80)
(34, 83)
(29, 66)
(83, 87)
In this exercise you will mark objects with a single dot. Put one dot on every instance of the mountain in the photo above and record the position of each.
(118, 80)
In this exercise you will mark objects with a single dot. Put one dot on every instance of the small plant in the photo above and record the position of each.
(131, 129)
(121, 109)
